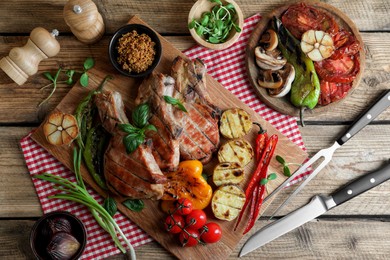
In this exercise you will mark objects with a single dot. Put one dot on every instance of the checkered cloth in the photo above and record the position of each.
(226, 66)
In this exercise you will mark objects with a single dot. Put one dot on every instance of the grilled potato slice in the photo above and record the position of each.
(228, 173)
(235, 123)
(237, 150)
(227, 202)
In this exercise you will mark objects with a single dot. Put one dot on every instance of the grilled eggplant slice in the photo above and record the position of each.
(237, 150)
(228, 173)
(227, 202)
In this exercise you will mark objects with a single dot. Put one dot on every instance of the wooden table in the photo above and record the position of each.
(357, 229)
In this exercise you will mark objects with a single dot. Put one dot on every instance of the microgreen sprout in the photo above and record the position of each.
(286, 168)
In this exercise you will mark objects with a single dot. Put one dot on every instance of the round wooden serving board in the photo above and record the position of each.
(283, 105)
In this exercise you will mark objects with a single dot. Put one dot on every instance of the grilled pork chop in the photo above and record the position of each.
(200, 134)
(136, 175)
(166, 118)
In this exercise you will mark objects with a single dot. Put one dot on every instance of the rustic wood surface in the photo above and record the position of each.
(356, 230)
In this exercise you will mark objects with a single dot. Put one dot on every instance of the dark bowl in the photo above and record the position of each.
(39, 240)
(113, 53)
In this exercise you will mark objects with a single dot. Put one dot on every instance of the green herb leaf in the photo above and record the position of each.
(264, 181)
(213, 40)
(192, 24)
(132, 141)
(175, 102)
(199, 30)
(149, 127)
(286, 171)
(216, 1)
(135, 205)
(236, 27)
(89, 63)
(140, 115)
(272, 176)
(110, 206)
(205, 177)
(229, 6)
(280, 159)
(84, 79)
(205, 19)
(48, 76)
(128, 128)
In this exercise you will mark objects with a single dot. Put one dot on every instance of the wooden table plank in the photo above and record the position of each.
(48, 13)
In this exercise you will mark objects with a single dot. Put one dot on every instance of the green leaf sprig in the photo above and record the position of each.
(270, 177)
(109, 205)
(135, 205)
(175, 102)
(77, 192)
(216, 25)
(84, 78)
(286, 168)
(136, 131)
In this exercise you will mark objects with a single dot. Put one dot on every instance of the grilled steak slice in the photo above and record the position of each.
(166, 118)
(200, 136)
(135, 175)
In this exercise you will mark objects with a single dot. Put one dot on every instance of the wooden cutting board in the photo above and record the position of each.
(151, 218)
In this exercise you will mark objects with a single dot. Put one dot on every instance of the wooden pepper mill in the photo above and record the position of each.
(23, 62)
(84, 20)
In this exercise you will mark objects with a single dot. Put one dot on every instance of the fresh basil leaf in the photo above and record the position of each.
(132, 141)
(84, 79)
(140, 115)
(264, 181)
(135, 205)
(109, 205)
(48, 75)
(280, 159)
(175, 102)
(128, 128)
(149, 127)
(286, 171)
(272, 176)
(89, 63)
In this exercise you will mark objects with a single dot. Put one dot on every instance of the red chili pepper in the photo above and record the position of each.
(261, 141)
(260, 173)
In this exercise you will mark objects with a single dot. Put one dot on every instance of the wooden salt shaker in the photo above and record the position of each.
(84, 20)
(23, 62)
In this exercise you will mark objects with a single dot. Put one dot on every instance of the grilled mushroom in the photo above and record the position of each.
(270, 79)
(269, 40)
(269, 60)
(288, 75)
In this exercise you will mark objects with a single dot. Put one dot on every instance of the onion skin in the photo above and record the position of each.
(62, 246)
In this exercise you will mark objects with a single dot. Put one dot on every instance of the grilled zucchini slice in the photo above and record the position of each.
(235, 123)
(227, 202)
(237, 150)
(228, 173)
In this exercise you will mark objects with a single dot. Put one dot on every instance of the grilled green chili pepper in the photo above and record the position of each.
(305, 89)
(93, 154)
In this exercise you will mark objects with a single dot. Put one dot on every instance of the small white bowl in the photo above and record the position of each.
(202, 6)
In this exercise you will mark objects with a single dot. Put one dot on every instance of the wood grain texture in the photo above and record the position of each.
(26, 15)
(222, 98)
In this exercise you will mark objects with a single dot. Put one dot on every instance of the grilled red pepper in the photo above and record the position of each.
(261, 141)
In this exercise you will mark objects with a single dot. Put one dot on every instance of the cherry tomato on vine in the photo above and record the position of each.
(211, 233)
(183, 206)
(189, 237)
(196, 219)
(174, 223)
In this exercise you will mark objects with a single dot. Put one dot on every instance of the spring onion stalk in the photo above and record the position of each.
(77, 192)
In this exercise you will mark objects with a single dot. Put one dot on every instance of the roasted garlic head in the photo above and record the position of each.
(317, 45)
(60, 128)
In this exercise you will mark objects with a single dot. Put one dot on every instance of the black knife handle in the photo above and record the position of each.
(362, 184)
(378, 107)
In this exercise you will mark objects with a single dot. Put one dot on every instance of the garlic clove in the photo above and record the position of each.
(60, 128)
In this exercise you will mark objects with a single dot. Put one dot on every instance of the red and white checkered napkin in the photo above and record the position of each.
(228, 67)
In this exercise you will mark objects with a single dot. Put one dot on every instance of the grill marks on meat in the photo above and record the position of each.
(200, 137)
(166, 118)
(135, 175)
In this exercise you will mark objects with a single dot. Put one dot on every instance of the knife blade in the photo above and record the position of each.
(318, 205)
(382, 103)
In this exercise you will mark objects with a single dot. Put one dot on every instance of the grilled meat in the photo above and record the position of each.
(136, 175)
(166, 118)
(200, 135)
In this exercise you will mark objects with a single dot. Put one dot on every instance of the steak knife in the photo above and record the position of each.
(378, 107)
(318, 205)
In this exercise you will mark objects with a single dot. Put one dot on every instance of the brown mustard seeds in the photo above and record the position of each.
(136, 52)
